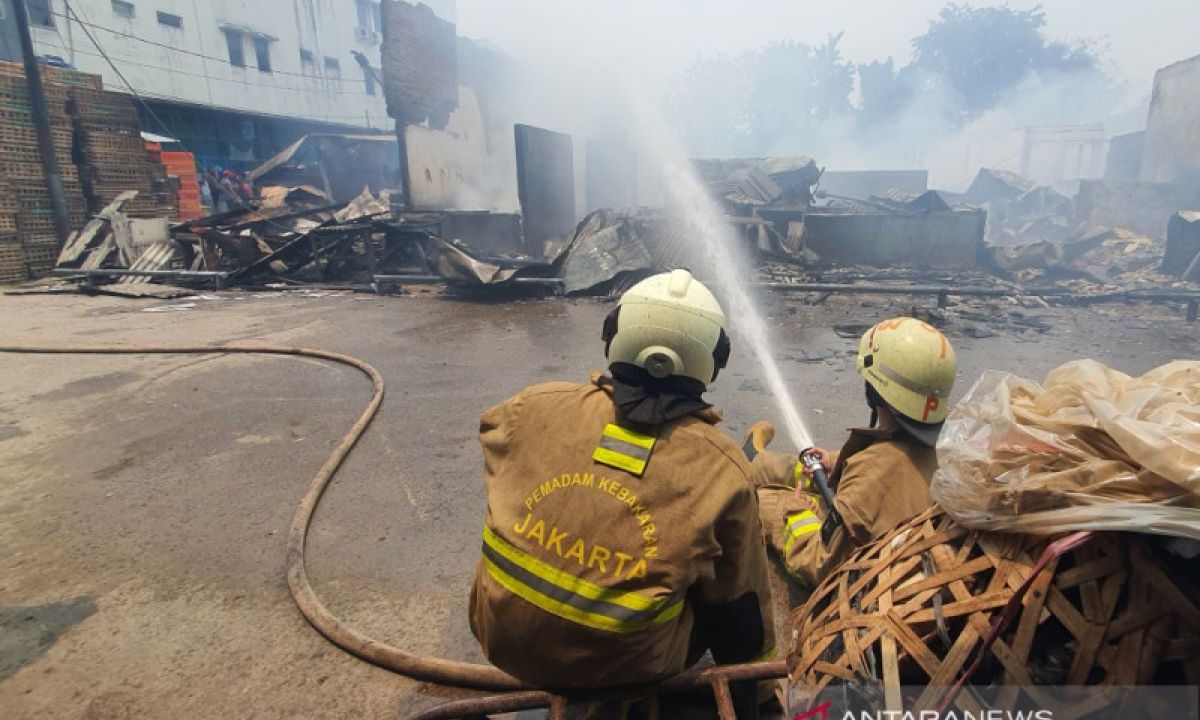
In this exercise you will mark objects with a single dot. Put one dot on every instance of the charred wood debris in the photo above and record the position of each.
(1006, 237)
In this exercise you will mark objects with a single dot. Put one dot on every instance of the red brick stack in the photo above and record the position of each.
(182, 165)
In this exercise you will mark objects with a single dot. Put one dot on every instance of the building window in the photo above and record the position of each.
(122, 8)
(262, 52)
(172, 21)
(40, 13)
(370, 21)
(369, 79)
(333, 69)
(366, 14)
(237, 52)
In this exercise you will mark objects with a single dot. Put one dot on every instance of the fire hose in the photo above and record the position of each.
(418, 667)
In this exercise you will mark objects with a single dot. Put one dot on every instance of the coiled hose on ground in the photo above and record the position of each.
(435, 670)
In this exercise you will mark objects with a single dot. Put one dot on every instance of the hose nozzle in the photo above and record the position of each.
(811, 461)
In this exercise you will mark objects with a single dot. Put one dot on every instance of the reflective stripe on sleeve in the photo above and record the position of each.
(799, 525)
(768, 654)
(624, 449)
(570, 597)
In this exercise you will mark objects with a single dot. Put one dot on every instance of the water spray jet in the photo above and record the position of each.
(724, 262)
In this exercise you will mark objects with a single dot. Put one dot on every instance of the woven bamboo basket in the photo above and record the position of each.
(914, 609)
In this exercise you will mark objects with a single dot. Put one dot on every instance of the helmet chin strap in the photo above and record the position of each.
(872, 402)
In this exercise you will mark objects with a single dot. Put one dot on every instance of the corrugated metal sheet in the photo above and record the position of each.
(156, 257)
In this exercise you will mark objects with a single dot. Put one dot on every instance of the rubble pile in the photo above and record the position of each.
(612, 249)
(302, 240)
(1035, 235)
(1182, 254)
(747, 183)
(307, 241)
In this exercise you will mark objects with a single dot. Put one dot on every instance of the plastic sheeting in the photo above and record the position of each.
(1091, 449)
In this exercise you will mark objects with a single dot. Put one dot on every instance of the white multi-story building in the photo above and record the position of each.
(236, 79)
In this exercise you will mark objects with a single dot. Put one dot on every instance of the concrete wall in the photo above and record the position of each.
(190, 64)
(936, 239)
(862, 184)
(464, 166)
(1138, 206)
(1124, 160)
(1172, 144)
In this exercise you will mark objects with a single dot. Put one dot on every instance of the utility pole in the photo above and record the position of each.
(41, 125)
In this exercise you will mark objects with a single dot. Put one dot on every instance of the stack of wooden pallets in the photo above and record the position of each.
(27, 217)
(113, 156)
(12, 258)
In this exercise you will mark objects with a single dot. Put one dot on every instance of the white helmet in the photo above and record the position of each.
(669, 324)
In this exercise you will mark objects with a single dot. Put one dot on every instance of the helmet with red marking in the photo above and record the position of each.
(911, 366)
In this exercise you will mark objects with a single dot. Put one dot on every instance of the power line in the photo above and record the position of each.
(236, 81)
(173, 48)
(164, 96)
(85, 24)
(354, 119)
(324, 118)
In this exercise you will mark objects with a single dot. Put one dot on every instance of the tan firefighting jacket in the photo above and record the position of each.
(601, 544)
(880, 482)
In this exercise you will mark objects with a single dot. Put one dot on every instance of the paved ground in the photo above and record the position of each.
(145, 500)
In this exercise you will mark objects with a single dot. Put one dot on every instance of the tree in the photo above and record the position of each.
(795, 90)
(773, 101)
(981, 54)
(883, 92)
(710, 101)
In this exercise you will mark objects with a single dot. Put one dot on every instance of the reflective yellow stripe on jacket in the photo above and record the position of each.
(624, 449)
(799, 525)
(570, 597)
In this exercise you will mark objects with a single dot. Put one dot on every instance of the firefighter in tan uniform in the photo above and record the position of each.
(881, 475)
(622, 536)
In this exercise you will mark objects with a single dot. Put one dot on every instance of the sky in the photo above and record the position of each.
(656, 39)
